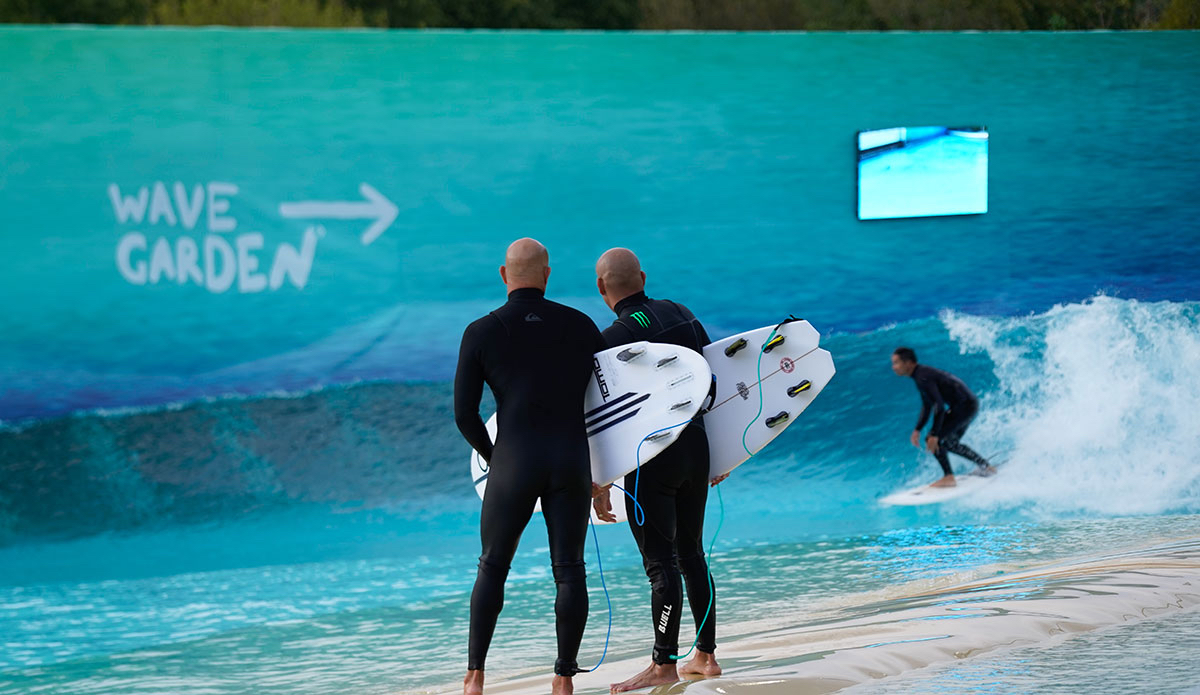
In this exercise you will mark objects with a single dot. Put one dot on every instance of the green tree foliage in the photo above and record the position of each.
(294, 13)
(895, 15)
(1077, 15)
(1181, 14)
(743, 15)
(950, 15)
(757, 15)
(75, 11)
(511, 14)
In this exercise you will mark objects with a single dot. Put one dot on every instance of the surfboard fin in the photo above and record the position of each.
(774, 343)
(657, 436)
(732, 348)
(631, 353)
(681, 404)
(666, 360)
(779, 419)
(799, 388)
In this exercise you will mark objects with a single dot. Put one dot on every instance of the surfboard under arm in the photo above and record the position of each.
(638, 401)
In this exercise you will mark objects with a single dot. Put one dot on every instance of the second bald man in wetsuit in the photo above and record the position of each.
(673, 488)
(536, 355)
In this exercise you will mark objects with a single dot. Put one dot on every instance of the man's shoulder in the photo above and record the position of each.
(570, 313)
(940, 377)
(678, 306)
(934, 372)
(617, 333)
(485, 323)
(923, 373)
(672, 310)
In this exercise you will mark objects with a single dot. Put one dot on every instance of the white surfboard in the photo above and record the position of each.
(793, 371)
(640, 391)
(964, 485)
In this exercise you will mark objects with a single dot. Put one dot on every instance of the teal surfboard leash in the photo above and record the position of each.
(721, 500)
(639, 512)
(711, 588)
(758, 377)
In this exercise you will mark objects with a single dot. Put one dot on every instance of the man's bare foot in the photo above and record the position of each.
(986, 470)
(473, 683)
(563, 685)
(703, 664)
(947, 481)
(655, 674)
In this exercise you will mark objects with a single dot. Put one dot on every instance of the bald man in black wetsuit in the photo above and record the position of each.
(952, 405)
(536, 355)
(673, 487)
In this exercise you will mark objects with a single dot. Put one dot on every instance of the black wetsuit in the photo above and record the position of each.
(953, 407)
(536, 355)
(673, 489)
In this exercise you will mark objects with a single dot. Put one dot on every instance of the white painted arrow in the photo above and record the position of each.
(381, 209)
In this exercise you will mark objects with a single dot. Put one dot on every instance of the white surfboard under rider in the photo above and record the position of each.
(926, 494)
(640, 391)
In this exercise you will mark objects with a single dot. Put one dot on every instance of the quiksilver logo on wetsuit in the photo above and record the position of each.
(532, 317)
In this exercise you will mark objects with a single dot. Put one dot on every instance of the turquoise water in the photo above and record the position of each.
(360, 579)
(263, 491)
(1162, 648)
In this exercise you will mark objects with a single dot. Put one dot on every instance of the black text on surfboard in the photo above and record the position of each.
(600, 378)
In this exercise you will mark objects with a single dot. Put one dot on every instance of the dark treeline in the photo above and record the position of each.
(748, 15)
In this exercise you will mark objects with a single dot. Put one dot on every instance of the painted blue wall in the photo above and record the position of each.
(727, 161)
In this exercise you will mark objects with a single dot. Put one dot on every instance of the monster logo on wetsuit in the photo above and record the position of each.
(673, 488)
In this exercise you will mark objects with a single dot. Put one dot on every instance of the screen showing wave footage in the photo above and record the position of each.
(922, 172)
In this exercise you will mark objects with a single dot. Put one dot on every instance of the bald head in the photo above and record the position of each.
(618, 275)
(526, 264)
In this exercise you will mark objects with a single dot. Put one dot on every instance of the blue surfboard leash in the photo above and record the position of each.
(639, 513)
(607, 598)
(712, 543)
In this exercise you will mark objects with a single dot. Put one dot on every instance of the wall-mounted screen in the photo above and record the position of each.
(921, 172)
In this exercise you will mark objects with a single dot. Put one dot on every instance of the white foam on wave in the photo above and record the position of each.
(1098, 406)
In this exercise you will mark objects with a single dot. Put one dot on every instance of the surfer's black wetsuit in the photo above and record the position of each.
(536, 355)
(953, 407)
(673, 489)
